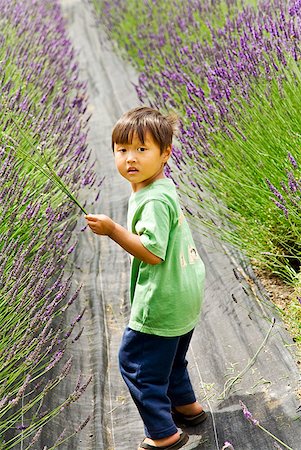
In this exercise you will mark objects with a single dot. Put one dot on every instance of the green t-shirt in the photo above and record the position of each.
(166, 298)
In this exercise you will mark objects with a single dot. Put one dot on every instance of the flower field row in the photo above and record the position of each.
(43, 129)
(231, 70)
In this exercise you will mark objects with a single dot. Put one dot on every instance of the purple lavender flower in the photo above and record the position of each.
(292, 182)
(228, 445)
(21, 427)
(56, 358)
(292, 161)
(275, 191)
(71, 249)
(282, 207)
(248, 415)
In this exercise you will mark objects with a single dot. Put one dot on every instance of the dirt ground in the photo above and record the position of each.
(281, 295)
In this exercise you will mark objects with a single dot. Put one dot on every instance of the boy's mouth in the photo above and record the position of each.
(132, 170)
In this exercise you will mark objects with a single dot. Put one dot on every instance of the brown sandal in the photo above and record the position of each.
(179, 444)
(188, 421)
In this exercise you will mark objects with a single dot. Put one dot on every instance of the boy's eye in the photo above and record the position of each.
(141, 149)
(122, 150)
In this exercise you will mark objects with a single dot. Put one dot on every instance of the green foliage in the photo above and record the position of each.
(133, 36)
(266, 130)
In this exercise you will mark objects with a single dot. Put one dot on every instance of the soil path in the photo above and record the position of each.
(234, 322)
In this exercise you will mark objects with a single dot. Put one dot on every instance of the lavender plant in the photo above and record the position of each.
(243, 184)
(231, 70)
(170, 26)
(43, 126)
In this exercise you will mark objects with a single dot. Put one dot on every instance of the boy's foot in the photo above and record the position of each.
(189, 415)
(165, 444)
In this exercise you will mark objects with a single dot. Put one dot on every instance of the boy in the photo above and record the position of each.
(167, 278)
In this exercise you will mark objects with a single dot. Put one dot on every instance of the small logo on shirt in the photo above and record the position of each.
(192, 254)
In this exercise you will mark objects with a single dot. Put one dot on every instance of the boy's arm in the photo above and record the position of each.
(130, 242)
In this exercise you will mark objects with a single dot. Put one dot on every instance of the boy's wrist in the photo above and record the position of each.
(112, 231)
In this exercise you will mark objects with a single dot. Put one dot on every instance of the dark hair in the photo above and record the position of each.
(141, 120)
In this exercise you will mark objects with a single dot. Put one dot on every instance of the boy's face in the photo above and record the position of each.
(141, 164)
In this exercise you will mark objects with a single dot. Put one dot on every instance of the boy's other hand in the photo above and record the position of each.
(100, 224)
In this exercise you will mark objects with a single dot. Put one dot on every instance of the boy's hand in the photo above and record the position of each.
(100, 224)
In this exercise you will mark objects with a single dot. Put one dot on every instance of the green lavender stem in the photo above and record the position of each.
(274, 437)
(50, 174)
(228, 385)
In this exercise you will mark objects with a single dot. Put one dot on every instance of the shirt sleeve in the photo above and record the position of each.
(153, 227)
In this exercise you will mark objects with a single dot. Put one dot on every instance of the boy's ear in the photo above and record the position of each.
(167, 153)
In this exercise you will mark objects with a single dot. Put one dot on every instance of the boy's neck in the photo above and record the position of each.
(136, 187)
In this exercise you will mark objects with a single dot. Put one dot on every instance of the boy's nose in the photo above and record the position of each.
(131, 157)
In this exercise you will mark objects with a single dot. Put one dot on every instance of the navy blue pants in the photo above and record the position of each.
(155, 371)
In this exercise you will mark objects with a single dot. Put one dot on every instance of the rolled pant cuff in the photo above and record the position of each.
(162, 433)
(185, 400)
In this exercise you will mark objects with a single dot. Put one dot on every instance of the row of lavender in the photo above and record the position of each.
(42, 118)
(231, 70)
